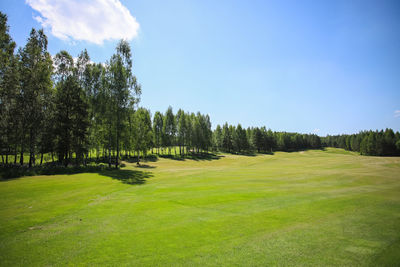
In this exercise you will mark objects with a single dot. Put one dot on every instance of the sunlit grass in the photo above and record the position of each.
(302, 208)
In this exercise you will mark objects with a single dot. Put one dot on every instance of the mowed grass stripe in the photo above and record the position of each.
(305, 208)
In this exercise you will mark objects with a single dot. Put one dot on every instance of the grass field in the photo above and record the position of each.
(304, 208)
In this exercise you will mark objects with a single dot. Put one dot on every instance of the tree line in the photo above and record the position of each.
(369, 143)
(76, 111)
(236, 139)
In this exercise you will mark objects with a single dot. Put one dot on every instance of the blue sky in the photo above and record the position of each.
(327, 67)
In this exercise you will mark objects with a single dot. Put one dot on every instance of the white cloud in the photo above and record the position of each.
(397, 113)
(316, 130)
(86, 20)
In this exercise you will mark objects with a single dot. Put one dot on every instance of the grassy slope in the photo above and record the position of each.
(303, 208)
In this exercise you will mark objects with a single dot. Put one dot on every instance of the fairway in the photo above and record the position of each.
(314, 207)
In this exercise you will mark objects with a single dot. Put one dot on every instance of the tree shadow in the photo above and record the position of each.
(266, 153)
(173, 157)
(247, 154)
(148, 158)
(145, 166)
(125, 176)
(193, 156)
(131, 177)
(302, 150)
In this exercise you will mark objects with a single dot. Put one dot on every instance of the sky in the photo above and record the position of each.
(324, 67)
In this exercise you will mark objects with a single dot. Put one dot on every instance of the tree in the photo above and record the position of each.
(181, 130)
(9, 88)
(207, 132)
(227, 137)
(93, 83)
(143, 131)
(217, 138)
(158, 130)
(363, 146)
(371, 144)
(36, 70)
(123, 89)
(239, 139)
(189, 131)
(169, 128)
(257, 139)
(355, 142)
(389, 142)
(71, 111)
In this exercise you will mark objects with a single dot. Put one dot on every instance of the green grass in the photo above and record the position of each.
(303, 208)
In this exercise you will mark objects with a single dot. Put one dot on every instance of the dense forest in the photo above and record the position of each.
(371, 143)
(75, 111)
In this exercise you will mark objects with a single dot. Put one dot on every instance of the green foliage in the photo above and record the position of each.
(238, 140)
(9, 88)
(142, 133)
(36, 68)
(169, 129)
(369, 143)
(158, 127)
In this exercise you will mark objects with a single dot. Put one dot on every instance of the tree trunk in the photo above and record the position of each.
(30, 159)
(117, 128)
(109, 156)
(15, 154)
(109, 148)
(41, 159)
(21, 158)
(66, 159)
(30, 147)
(117, 155)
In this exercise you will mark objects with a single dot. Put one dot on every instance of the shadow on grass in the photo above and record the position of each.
(302, 150)
(148, 158)
(266, 153)
(125, 176)
(145, 166)
(193, 156)
(247, 154)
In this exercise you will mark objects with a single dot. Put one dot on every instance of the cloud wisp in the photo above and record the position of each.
(93, 21)
(397, 113)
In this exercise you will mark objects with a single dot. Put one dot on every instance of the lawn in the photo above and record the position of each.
(303, 208)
